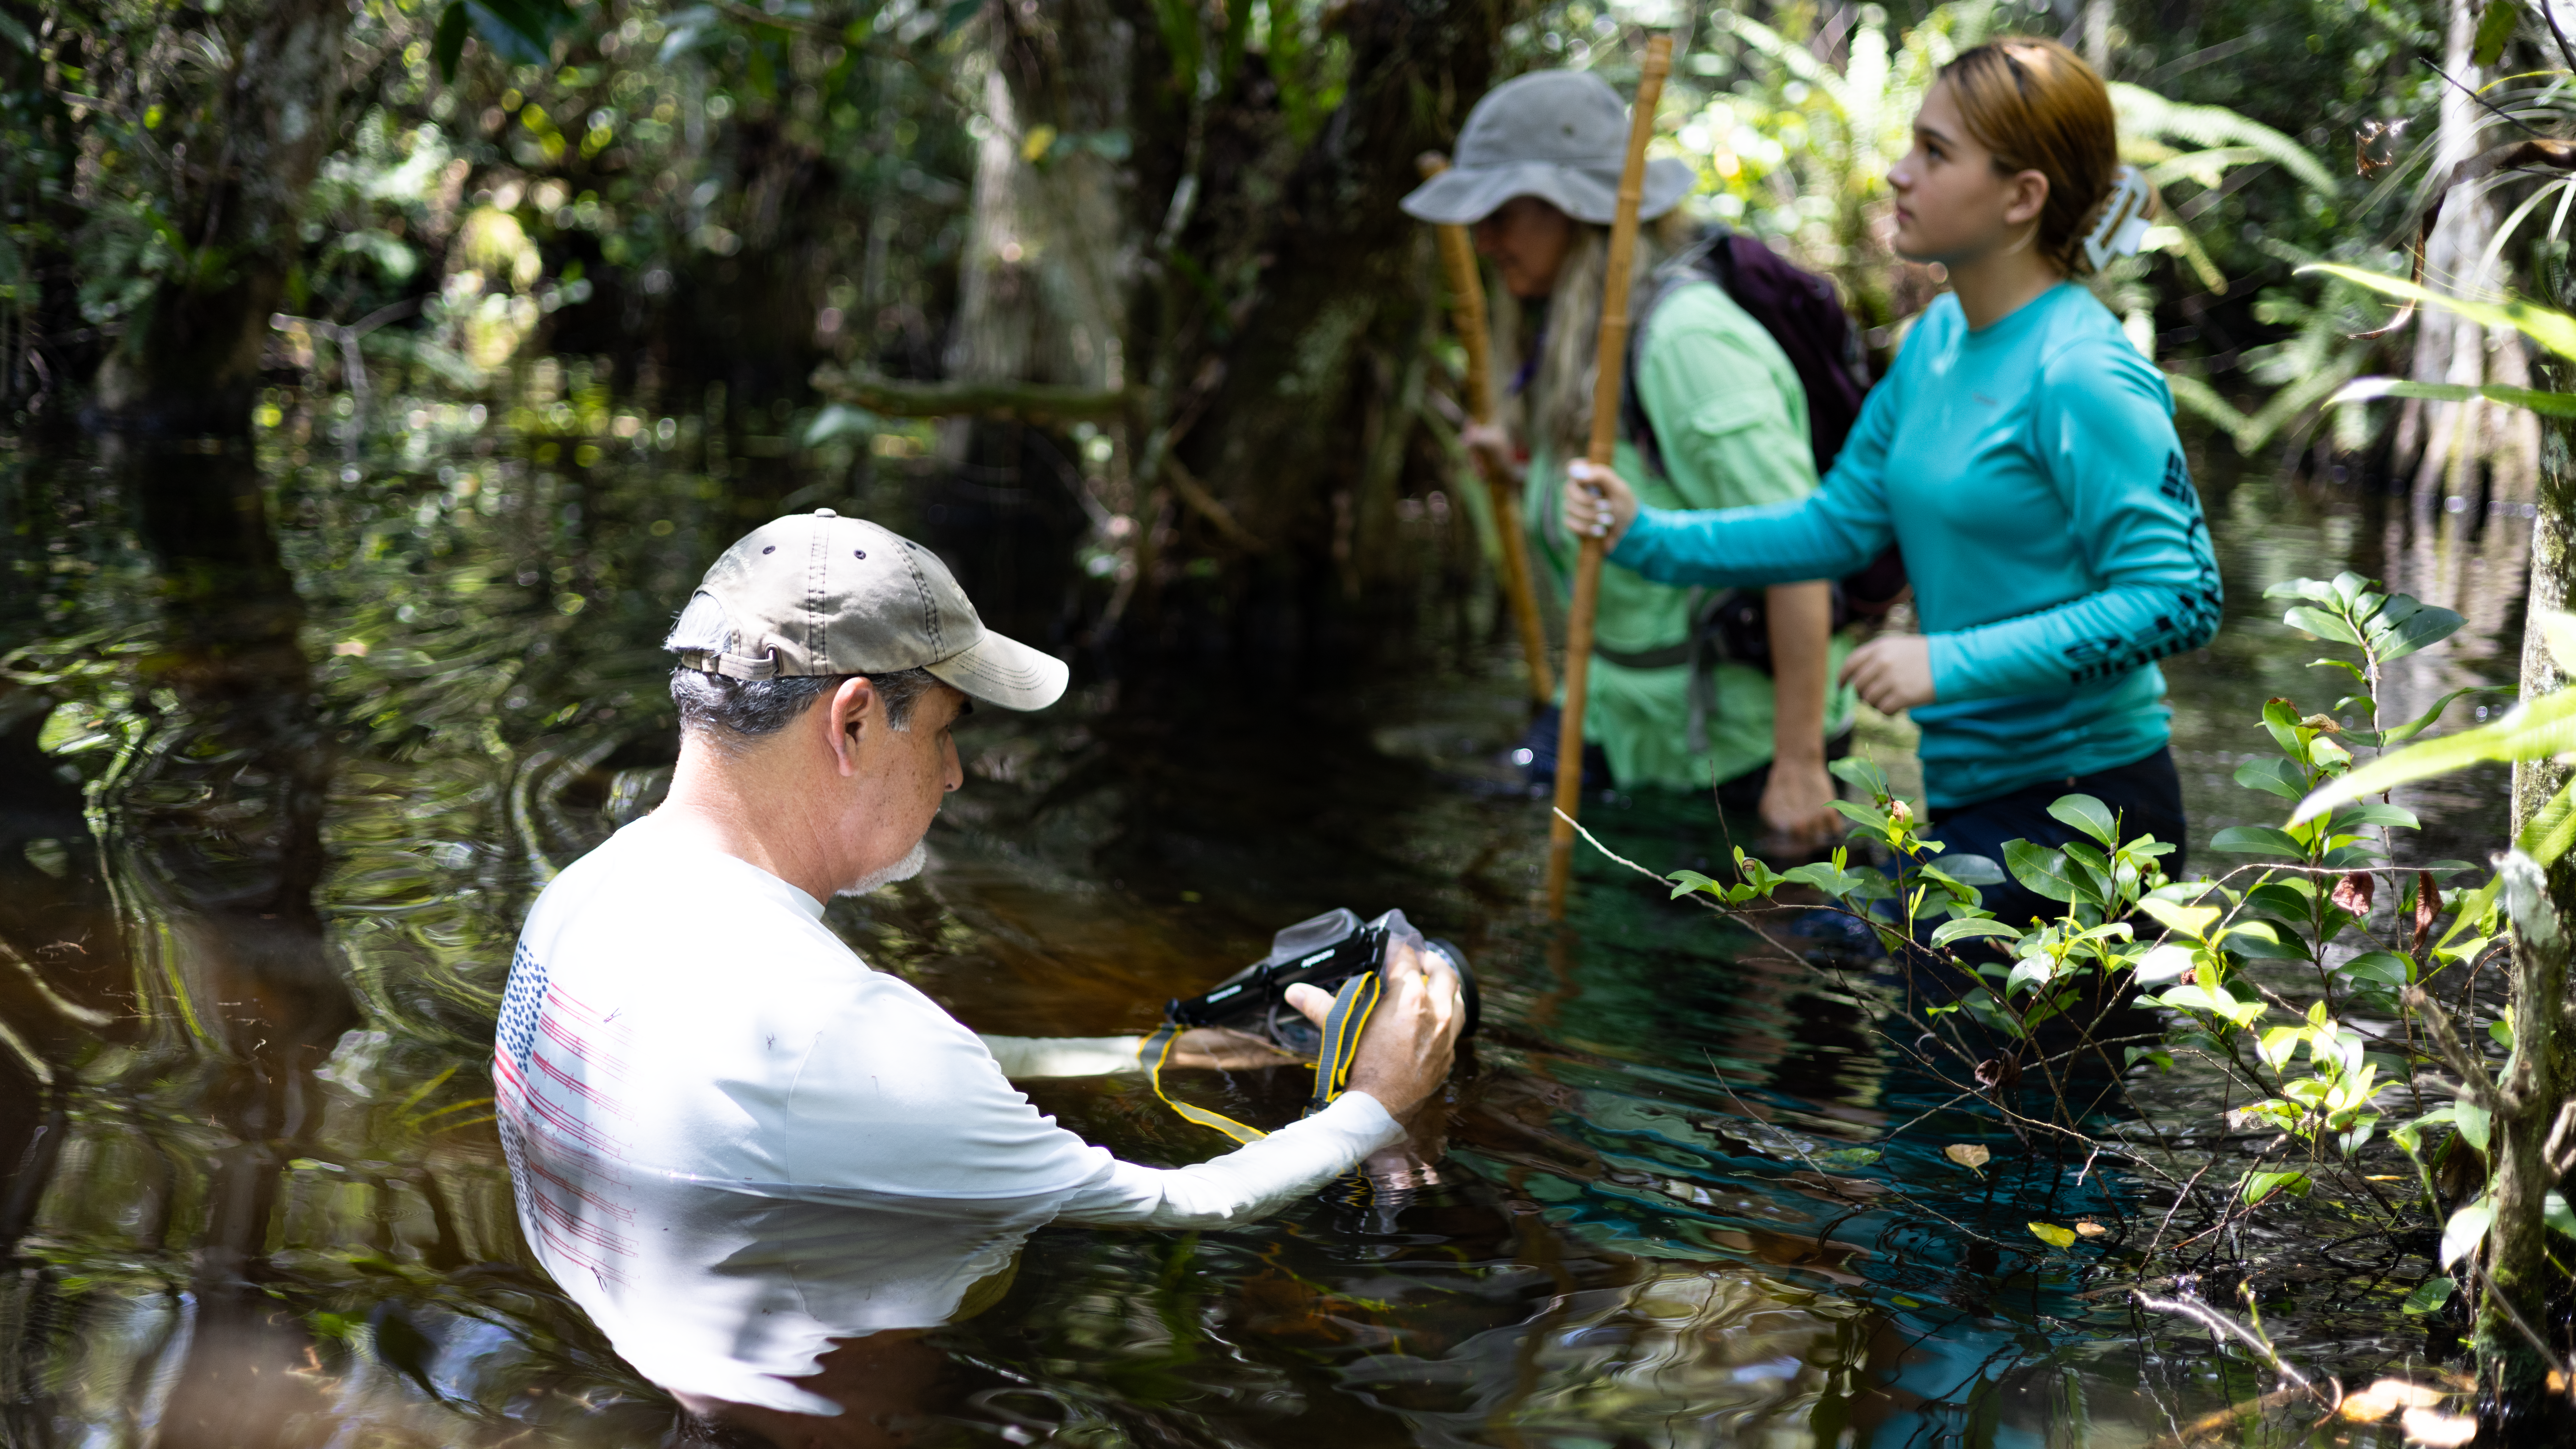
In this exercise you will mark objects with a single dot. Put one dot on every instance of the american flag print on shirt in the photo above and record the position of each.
(554, 1070)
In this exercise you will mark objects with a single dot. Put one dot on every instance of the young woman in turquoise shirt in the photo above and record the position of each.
(2022, 453)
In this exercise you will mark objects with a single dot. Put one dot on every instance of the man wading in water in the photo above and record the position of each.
(678, 1012)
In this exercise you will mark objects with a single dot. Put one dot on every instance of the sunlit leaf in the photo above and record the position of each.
(1968, 927)
(2552, 329)
(2192, 921)
(1861, 774)
(2042, 870)
(2257, 840)
(2165, 963)
(2374, 812)
(1972, 870)
(2053, 1235)
(2551, 829)
(2534, 730)
(2323, 624)
(2384, 968)
(2466, 1229)
(2144, 112)
(2394, 635)
(2430, 1294)
(2475, 1123)
(2088, 815)
(2558, 631)
(2260, 1185)
(2276, 776)
(1968, 1155)
(2372, 389)
(2185, 998)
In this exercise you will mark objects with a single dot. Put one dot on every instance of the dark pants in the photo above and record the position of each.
(2147, 799)
(2146, 796)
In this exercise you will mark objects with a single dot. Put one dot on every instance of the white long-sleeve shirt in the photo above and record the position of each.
(678, 1015)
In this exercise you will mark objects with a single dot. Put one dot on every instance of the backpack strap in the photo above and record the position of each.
(1696, 263)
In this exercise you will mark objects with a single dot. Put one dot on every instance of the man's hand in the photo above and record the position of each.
(1893, 672)
(1797, 804)
(1598, 504)
(1225, 1049)
(1412, 1037)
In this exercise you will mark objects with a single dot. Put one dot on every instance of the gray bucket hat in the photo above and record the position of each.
(1558, 135)
(819, 594)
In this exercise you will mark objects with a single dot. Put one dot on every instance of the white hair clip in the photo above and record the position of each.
(2124, 219)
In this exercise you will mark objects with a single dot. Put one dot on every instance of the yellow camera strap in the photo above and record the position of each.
(1342, 1027)
(1156, 1050)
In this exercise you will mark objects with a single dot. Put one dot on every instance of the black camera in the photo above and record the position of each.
(1322, 953)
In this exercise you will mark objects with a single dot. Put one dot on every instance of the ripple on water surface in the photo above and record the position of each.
(276, 804)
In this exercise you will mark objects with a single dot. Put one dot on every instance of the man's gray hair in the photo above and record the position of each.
(737, 711)
(733, 711)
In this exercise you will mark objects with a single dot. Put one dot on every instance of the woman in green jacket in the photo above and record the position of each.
(1536, 175)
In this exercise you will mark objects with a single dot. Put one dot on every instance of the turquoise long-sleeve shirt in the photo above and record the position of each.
(2031, 474)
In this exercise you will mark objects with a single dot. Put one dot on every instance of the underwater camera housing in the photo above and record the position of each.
(1323, 953)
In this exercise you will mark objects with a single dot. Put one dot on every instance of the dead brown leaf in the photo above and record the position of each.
(1967, 1154)
(2428, 904)
(2353, 892)
(1999, 1074)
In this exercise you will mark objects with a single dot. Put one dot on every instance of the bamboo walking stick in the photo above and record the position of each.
(1608, 364)
(1467, 314)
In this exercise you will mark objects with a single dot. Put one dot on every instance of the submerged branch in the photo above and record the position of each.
(2225, 1327)
(2475, 1084)
(1026, 402)
(1206, 505)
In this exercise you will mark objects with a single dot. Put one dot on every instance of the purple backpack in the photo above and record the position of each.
(1801, 312)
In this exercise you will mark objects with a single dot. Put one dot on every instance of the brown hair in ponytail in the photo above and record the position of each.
(2038, 107)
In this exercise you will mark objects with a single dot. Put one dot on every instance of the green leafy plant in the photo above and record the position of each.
(2300, 976)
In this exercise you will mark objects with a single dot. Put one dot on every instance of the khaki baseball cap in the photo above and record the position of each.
(819, 594)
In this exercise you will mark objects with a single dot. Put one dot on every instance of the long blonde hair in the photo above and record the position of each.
(1555, 412)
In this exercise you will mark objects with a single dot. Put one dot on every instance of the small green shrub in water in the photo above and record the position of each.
(2284, 973)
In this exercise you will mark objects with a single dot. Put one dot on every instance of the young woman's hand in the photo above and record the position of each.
(1598, 504)
(1893, 672)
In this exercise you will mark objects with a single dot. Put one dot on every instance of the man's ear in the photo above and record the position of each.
(851, 709)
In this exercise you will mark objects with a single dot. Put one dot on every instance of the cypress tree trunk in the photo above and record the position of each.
(242, 142)
(1165, 207)
(2541, 1082)
(2449, 445)
(1314, 430)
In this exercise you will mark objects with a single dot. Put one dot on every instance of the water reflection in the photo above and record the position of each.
(285, 753)
(750, 1309)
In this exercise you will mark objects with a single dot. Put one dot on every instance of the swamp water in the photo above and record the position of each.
(287, 749)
